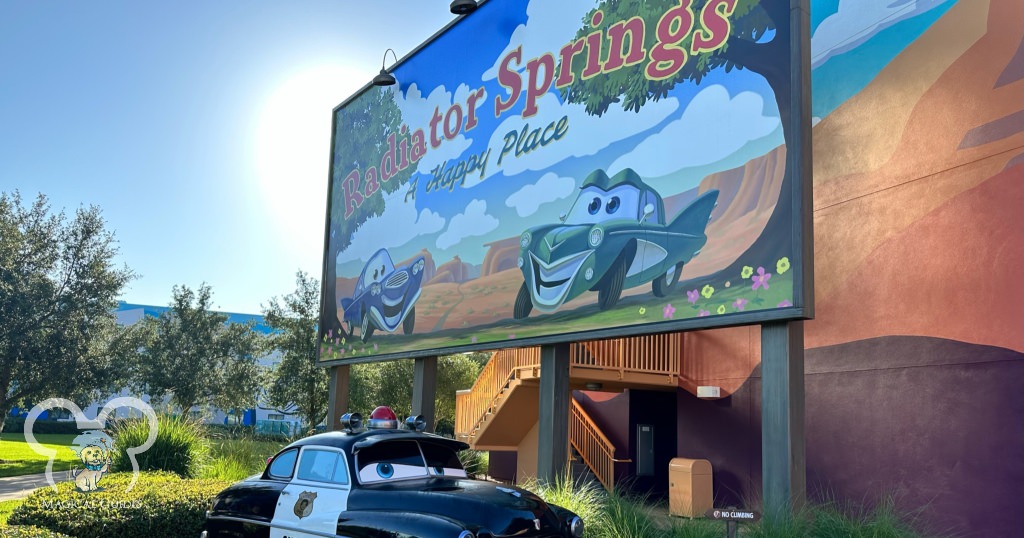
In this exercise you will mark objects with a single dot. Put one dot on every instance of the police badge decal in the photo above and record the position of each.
(304, 506)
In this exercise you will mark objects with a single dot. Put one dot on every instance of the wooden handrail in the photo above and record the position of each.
(659, 354)
(595, 449)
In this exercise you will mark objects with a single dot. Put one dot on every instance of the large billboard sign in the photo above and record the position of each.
(549, 171)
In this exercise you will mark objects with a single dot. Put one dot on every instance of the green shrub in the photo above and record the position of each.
(180, 446)
(159, 505)
(17, 425)
(29, 532)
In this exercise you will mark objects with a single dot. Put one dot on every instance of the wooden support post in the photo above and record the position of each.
(424, 389)
(553, 428)
(337, 395)
(783, 460)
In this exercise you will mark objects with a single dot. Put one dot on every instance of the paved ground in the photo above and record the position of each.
(17, 487)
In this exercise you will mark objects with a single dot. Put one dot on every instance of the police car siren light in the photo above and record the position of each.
(416, 423)
(383, 418)
(351, 421)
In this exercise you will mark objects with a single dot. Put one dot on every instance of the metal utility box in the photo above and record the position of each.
(644, 450)
(689, 487)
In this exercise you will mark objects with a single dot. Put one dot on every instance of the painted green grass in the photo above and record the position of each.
(705, 298)
(17, 457)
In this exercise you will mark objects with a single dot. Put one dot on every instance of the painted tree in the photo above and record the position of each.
(297, 383)
(747, 47)
(360, 140)
(58, 289)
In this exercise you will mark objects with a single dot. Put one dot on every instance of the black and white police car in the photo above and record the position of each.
(379, 482)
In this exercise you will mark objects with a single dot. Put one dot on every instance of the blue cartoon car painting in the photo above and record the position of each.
(384, 297)
(615, 237)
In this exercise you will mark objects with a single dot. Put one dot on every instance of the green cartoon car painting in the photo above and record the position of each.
(615, 237)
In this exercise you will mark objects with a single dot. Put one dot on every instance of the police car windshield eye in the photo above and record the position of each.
(613, 205)
(385, 470)
(595, 206)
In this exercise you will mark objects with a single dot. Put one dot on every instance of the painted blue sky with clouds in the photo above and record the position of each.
(202, 128)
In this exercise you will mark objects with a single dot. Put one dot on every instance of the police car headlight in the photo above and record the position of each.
(466, 534)
(589, 273)
(520, 262)
(576, 527)
(375, 289)
(525, 239)
(596, 236)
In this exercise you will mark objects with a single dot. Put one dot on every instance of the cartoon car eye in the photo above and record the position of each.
(390, 471)
(375, 274)
(382, 271)
(613, 205)
(595, 206)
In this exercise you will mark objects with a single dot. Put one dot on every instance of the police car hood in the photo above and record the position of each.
(503, 510)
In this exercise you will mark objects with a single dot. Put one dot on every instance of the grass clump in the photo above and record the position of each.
(238, 458)
(181, 446)
(475, 462)
(586, 500)
(6, 507)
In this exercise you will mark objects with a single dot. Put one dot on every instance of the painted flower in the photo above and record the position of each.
(708, 291)
(721, 309)
(739, 304)
(692, 296)
(512, 336)
(703, 313)
(728, 283)
(761, 278)
(785, 303)
(782, 266)
(643, 310)
(747, 271)
(473, 340)
(375, 348)
(668, 311)
(330, 333)
(342, 341)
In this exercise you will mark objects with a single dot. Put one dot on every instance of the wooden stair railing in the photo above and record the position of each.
(659, 354)
(593, 447)
(505, 365)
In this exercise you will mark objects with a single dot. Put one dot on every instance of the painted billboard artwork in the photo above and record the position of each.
(548, 171)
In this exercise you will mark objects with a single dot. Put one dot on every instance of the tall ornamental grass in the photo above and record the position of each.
(180, 447)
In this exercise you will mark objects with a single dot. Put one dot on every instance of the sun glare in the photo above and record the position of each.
(293, 149)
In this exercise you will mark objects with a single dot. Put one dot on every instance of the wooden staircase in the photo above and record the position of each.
(501, 407)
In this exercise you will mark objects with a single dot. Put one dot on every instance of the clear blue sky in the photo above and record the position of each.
(201, 129)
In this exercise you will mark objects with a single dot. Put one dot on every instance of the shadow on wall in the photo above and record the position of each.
(934, 422)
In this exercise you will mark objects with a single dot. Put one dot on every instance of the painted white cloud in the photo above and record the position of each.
(417, 111)
(586, 134)
(856, 21)
(712, 127)
(472, 222)
(549, 26)
(548, 188)
(401, 225)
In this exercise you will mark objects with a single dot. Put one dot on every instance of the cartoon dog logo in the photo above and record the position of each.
(93, 448)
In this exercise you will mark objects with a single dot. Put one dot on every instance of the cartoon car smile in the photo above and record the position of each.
(615, 237)
(384, 297)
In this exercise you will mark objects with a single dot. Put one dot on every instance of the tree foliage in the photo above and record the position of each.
(297, 382)
(58, 288)
(390, 383)
(746, 48)
(361, 134)
(190, 354)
